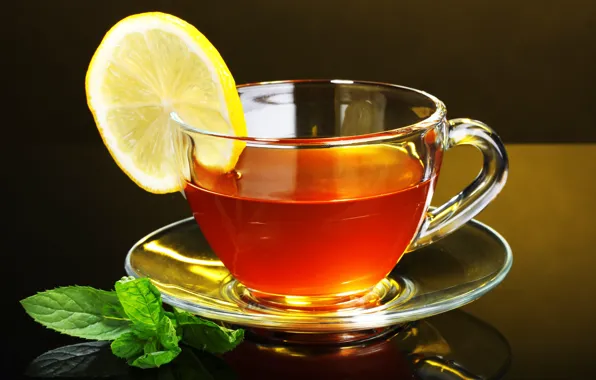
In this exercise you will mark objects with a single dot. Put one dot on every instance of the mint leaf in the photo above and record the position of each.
(206, 335)
(172, 316)
(167, 334)
(155, 359)
(127, 346)
(114, 311)
(89, 359)
(78, 311)
(153, 334)
(151, 346)
(141, 302)
(212, 338)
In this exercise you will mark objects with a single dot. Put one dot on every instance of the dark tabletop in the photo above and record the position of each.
(526, 68)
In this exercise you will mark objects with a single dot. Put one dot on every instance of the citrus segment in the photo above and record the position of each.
(146, 67)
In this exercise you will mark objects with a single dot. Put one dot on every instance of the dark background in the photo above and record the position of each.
(527, 68)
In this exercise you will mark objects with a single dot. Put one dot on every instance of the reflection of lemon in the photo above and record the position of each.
(147, 66)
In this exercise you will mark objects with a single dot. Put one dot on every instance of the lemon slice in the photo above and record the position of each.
(150, 65)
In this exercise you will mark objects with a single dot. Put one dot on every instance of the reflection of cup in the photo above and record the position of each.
(332, 186)
(437, 348)
(380, 359)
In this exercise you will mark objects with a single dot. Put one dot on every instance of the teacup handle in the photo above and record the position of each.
(445, 219)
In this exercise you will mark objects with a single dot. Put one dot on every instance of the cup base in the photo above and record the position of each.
(387, 290)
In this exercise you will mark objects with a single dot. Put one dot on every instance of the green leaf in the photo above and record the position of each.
(177, 327)
(167, 334)
(155, 359)
(141, 302)
(170, 315)
(206, 335)
(151, 346)
(127, 346)
(78, 311)
(114, 311)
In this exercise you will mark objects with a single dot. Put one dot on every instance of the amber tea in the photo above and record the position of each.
(337, 221)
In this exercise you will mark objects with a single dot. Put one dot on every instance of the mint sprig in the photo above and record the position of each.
(133, 317)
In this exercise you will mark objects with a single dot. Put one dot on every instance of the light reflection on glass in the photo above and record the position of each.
(422, 112)
(281, 350)
(297, 301)
(155, 247)
(342, 81)
(444, 368)
(213, 274)
(411, 149)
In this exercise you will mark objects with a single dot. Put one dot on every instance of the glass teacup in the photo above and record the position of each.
(333, 184)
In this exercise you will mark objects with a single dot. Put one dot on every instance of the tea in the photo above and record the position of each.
(309, 222)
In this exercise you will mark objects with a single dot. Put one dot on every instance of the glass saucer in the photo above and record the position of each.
(443, 276)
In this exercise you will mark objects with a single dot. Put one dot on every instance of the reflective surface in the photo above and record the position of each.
(439, 348)
(450, 273)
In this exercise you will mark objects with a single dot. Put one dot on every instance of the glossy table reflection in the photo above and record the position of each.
(436, 348)
(82, 215)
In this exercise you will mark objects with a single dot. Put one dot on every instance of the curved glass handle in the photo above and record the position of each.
(445, 219)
